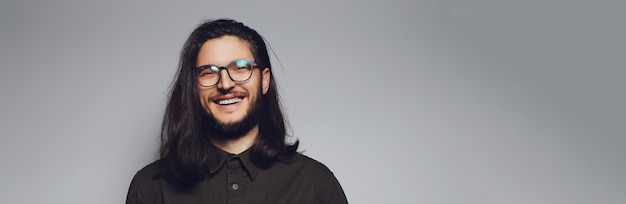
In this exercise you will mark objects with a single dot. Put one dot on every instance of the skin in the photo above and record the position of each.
(220, 52)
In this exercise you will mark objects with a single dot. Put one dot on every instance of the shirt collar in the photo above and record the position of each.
(218, 158)
(252, 169)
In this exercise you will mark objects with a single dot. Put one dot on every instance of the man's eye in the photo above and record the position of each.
(206, 71)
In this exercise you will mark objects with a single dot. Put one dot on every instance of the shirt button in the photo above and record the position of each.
(235, 186)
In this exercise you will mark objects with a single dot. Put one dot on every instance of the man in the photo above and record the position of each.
(223, 133)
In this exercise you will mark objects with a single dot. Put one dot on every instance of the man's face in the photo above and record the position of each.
(229, 102)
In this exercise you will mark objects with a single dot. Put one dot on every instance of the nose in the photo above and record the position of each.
(225, 82)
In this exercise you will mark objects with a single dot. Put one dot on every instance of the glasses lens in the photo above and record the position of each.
(208, 75)
(240, 70)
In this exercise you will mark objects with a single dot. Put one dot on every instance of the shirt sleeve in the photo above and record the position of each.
(336, 194)
(134, 192)
(330, 190)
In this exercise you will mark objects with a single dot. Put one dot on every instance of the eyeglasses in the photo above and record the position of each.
(239, 70)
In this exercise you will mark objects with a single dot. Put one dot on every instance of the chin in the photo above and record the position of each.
(229, 121)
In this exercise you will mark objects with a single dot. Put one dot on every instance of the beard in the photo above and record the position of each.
(235, 130)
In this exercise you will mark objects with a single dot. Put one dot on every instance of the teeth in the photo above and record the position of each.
(229, 101)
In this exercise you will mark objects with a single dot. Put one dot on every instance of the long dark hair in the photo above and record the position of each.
(185, 144)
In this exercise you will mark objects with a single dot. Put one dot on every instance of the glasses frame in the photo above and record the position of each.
(219, 72)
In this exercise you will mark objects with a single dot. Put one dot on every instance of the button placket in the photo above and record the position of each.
(237, 177)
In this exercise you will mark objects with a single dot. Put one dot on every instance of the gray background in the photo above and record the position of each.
(428, 101)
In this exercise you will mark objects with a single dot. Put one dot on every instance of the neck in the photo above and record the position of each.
(237, 146)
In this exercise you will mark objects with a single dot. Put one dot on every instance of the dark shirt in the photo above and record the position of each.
(235, 179)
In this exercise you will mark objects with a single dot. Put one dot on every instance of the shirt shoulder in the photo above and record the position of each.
(151, 173)
(308, 164)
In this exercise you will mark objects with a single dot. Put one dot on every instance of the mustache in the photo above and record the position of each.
(231, 93)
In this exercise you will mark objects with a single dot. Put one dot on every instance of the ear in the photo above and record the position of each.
(265, 79)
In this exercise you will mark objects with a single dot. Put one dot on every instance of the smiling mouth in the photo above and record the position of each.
(228, 101)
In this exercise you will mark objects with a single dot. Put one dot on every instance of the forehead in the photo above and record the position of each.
(223, 50)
